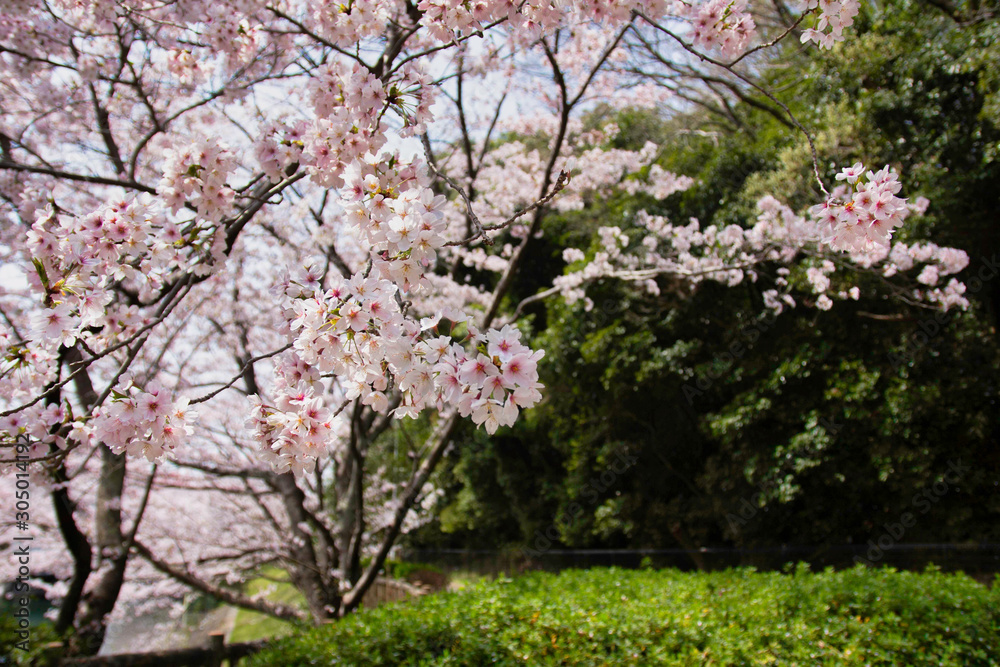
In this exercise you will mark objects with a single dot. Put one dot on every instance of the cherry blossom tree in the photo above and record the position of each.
(235, 247)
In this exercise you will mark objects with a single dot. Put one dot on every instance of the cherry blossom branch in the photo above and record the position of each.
(257, 497)
(899, 292)
(130, 539)
(454, 42)
(31, 58)
(82, 178)
(84, 364)
(312, 35)
(728, 67)
(463, 123)
(242, 554)
(185, 576)
(461, 191)
(891, 317)
(541, 296)
(341, 408)
(216, 471)
(393, 49)
(133, 352)
(11, 324)
(631, 276)
(561, 183)
(645, 274)
(56, 456)
(773, 42)
(104, 128)
(162, 127)
(262, 194)
(600, 61)
(489, 130)
(682, 72)
(512, 265)
(238, 376)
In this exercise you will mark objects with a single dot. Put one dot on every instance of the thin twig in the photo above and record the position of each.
(728, 67)
(250, 362)
(560, 183)
(480, 232)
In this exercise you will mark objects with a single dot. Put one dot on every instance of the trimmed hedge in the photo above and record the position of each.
(645, 617)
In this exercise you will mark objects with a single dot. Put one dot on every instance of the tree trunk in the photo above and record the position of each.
(79, 548)
(112, 555)
(319, 588)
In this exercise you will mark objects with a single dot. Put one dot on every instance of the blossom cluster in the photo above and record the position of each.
(659, 183)
(861, 214)
(834, 16)
(140, 422)
(356, 331)
(393, 211)
(77, 259)
(278, 148)
(347, 23)
(25, 367)
(76, 262)
(184, 66)
(196, 174)
(511, 172)
(446, 19)
(238, 40)
(725, 26)
(492, 383)
(38, 423)
(938, 262)
(888, 260)
(297, 429)
(347, 101)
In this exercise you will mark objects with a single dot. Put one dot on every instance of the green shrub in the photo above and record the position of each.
(41, 636)
(647, 617)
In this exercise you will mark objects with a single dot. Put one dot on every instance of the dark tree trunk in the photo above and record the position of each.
(319, 588)
(112, 555)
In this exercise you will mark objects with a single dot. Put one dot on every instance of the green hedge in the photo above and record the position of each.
(627, 617)
(41, 635)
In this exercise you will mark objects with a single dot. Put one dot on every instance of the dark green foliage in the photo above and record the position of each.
(621, 617)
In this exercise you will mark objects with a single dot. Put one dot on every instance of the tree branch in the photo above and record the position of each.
(186, 577)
